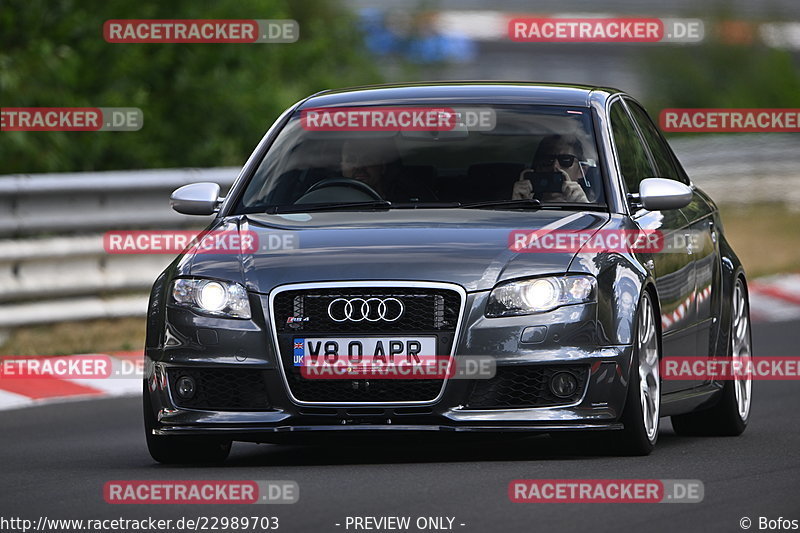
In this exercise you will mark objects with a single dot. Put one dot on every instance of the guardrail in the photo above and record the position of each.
(744, 168)
(67, 203)
(52, 263)
(53, 266)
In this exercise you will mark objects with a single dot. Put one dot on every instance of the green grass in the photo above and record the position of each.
(114, 335)
(765, 237)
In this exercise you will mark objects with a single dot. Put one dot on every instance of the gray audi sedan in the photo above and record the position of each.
(546, 232)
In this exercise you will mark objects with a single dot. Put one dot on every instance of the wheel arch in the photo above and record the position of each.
(731, 270)
(650, 288)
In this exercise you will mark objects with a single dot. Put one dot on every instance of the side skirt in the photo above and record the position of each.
(685, 401)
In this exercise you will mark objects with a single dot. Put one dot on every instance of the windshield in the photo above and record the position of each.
(429, 157)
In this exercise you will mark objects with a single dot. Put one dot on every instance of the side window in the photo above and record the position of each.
(658, 146)
(633, 161)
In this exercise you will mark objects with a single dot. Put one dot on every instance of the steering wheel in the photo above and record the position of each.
(345, 182)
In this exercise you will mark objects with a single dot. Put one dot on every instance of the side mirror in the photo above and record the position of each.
(196, 199)
(660, 194)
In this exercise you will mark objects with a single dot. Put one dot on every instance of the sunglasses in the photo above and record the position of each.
(564, 160)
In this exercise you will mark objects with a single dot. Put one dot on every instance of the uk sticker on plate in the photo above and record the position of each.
(362, 350)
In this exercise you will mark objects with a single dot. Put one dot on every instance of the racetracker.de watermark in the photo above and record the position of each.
(89, 366)
(209, 242)
(606, 491)
(189, 31)
(200, 492)
(605, 30)
(603, 241)
(726, 368)
(71, 119)
(358, 365)
(705, 120)
(398, 119)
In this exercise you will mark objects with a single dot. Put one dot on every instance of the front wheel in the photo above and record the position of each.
(180, 449)
(729, 416)
(640, 417)
(643, 405)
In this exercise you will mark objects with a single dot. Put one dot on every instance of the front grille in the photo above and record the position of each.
(431, 310)
(525, 386)
(363, 390)
(221, 389)
(303, 313)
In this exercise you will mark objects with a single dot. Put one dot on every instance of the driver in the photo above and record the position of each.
(373, 161)
(376, 162)
(556, 153)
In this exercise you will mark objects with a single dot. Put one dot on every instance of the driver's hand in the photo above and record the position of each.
(573, 192)
(523, 189)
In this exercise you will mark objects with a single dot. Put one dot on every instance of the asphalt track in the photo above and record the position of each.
(54, 461)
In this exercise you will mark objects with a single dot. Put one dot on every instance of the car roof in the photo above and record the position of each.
(487, 92)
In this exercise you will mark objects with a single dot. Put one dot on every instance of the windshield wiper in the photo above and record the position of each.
(425, 205)
(532, 202)
(522, 203)
(576, 205)
(302, 208)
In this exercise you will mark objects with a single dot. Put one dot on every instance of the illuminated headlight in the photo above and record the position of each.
(211, 297)
(541, 294)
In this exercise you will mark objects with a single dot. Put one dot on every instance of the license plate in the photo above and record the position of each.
(363, 350)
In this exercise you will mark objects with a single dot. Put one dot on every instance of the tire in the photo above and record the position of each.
(639, 435)
(640, 416)
(180, 449)
(729, 416)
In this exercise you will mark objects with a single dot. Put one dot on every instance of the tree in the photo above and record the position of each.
(203, 104)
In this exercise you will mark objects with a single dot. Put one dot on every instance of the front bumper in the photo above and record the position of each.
(569, 338)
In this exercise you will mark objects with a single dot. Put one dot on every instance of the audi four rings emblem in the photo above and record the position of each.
(369, 309)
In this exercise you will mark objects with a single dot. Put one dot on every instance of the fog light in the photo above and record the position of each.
(185, 387)
(563, 384)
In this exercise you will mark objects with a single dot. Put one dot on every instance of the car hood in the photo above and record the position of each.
(467, 247)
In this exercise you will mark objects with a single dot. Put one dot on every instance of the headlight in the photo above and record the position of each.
(211, 297)
(539, 295)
